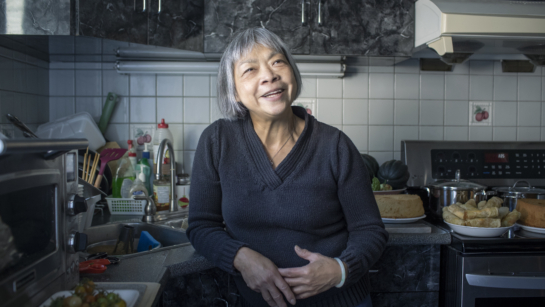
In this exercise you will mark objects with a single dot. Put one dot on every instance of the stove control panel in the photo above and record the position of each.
(488, 164)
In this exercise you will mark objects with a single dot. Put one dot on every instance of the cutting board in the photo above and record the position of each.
(417, 227)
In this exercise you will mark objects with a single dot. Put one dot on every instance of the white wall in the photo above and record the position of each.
(376, 108)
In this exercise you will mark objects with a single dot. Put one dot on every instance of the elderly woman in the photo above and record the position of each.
(278, 199)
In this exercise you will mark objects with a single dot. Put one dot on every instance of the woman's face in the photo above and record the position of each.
(265, 82)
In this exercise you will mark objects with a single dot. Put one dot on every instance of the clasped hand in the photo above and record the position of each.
(262, 275)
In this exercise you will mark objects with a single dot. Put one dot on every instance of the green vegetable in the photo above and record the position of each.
(385, 187)
(375, 184)
(394, 173)
(371, 165)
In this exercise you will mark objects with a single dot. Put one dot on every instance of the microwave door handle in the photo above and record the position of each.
(506, 281)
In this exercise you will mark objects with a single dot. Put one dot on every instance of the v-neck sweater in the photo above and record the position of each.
(319, 197)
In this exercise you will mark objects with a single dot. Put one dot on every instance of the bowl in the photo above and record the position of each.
(482, 232)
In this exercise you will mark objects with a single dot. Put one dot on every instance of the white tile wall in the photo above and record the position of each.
(376, 108)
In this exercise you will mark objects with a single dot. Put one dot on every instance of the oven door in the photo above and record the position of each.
(503, 280)
(29, 205)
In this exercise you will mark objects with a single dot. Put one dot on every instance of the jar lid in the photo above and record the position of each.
(457, 184)
(514, 190)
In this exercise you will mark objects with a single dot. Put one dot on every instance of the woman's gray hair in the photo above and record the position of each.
(243, 43)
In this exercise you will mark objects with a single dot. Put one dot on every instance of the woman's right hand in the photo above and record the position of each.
(261, 275)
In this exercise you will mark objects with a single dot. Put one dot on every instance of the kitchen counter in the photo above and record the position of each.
(179, 261)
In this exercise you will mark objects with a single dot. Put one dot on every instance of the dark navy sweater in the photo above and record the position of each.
(319, 197)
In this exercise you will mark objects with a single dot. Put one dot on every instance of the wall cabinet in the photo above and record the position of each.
(317, 27)
(224, 18)
(166, 23)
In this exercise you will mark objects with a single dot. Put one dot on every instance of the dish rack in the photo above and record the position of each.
(125, 206)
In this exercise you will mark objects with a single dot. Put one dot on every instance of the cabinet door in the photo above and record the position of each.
(122, 20)
(364, 27)
(224, 18)
(178, 24)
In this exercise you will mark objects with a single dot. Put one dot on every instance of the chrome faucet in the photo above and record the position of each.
(173, 205)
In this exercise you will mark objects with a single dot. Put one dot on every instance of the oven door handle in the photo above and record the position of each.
(506, 282)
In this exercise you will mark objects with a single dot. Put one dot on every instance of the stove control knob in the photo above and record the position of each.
(76, 204)
(77, 242)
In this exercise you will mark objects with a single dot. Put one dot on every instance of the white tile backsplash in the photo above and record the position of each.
(406, 86)
(432, 86)
(381, 112)
(529, 114)
(529, 88)
(170, 109)
(480, 133)
(330, 88)
(376, 107)
(431, 112)
(481, 87)
(142, 109)
(355, 111)
(196, 110)
(457, 87)
(330, 111)
(358, 135)
(197, 86)
(381, 138)
(505, 88)
(118, 133)
(527, 134)
(406, 112)
(169, 85)
(456, 113)
(355, 86)
(505, 134)
(142, 85)
(381, 85)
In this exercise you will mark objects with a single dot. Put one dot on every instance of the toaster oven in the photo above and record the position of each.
(38, 219)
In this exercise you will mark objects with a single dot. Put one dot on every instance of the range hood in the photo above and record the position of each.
(456, 29)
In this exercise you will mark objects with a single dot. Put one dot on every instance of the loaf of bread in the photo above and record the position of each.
(399, 206)
(532, 212)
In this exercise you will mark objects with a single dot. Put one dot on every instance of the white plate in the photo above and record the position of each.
(129, 296)
(390, 192)
(402, 221)
(483, 232)
(532, 229)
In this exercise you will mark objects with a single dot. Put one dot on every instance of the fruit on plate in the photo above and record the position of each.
(371, 165)
(83, 297)
(183, 202)
(394, 173)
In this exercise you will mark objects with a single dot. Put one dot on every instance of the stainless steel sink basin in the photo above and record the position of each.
(168, 237)
(180, 224)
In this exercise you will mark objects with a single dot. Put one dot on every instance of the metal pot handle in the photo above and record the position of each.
(515, 185)
(427, 190)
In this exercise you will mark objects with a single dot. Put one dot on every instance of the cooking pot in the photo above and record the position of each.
(447, 192)
(510, 195)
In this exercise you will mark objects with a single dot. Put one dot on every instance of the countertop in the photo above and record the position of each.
(160, 266)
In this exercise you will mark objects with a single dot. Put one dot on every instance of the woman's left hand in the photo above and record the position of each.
(321, 274)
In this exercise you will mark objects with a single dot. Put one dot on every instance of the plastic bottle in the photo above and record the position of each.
(132, 154)
(138, 187)
(124, 177)
(161, 133)
(146, 160)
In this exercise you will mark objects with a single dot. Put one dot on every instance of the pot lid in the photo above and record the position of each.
(514, 190)
(457, 184)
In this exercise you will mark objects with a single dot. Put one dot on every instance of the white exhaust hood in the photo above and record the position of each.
(456, 29)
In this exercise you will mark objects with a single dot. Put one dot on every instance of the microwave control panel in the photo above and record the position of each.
(488, 164)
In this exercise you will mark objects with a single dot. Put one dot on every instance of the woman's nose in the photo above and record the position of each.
(268, 75)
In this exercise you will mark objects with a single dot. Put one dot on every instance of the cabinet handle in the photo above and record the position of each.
(303, 21)
(320, 13)
(159, 9)
(144, 7)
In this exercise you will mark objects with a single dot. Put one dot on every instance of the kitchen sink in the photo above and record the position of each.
(106, 236)
(180, 224)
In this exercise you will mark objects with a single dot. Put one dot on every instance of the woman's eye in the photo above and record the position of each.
(278, 62)
(248, 70)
